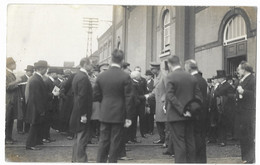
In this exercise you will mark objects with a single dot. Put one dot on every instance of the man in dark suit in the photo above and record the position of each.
(182, 88)
(200, 122)
(150, 102)
(11, 99)
(82, 109)
(143, 117)
(223, 94)
(53, 103)
(23, 127)
(246, 99)
(113, 90)
(36, 105)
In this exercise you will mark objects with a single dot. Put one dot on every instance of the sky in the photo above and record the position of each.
(53, 33)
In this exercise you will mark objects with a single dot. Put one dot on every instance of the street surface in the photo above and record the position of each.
(144, 152)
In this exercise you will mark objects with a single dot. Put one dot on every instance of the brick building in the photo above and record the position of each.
(217, 37)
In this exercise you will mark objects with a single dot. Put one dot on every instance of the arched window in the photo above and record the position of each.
(235, 30)
(166, 31)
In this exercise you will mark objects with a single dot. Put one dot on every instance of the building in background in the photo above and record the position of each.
(216, 37)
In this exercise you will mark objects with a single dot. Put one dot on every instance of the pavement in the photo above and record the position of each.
(144, 152)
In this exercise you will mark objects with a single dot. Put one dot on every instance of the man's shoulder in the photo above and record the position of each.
(113, 71)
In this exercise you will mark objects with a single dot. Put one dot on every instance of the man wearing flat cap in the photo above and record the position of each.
(36, 105)
(23, 127)
(158, 93)
(11, 99)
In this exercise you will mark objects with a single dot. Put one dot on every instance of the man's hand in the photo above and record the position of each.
(164, 109)
(240, 90)
(18, 80)
(146, 96)
(187, 114)
(83, 119)
(128, 123)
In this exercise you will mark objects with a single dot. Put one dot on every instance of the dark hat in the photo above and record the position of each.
(96, 68)
(67, 72)
(229, 77)
(221, 74)
(9, 61)
(41, 64)
(209, 80)
(155, 65)
(125, 65)
(60, 71)
(148, 72)
(52, 70)
(103, 64)
(29, 68)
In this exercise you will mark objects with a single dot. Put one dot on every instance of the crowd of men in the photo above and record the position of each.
(108, 101)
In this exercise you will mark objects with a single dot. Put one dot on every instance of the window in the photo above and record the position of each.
(166, 31)
(235, 30)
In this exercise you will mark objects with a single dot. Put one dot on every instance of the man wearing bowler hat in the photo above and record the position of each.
(23, 127)
(36, 105)
(53, 103)
(223, 93)
(11, 99)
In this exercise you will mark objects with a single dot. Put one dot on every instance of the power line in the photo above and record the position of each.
(90, 24)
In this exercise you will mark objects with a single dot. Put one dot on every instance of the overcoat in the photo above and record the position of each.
(159, 92)
(82, 92)
(37, 100)
(11, 96)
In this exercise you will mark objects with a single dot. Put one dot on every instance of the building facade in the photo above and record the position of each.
(216, 37)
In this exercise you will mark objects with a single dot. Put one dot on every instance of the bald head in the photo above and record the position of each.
(135, 75)
(191, 65)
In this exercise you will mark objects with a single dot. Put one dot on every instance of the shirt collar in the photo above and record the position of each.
(60, 79)
(194, 72)
(38, 74)
(9, 70)
(135, 80)
(116, 65)
(27, 76)
(52, 79)
(83, 70)
(176, 67)
(245, 76)
(223, 82)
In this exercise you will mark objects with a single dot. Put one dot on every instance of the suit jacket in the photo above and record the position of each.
(248, 101)
(21, 98)
(53, 101)
(181, 88)
(37, 100)
(224, 97)
(82, 92)
(113, 89)
(159, 92)
(11, 95)
(203, 88)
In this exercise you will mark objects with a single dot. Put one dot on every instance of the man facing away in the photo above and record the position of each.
(182, 88)
(113, 90)
(82, 109)
(200, 124)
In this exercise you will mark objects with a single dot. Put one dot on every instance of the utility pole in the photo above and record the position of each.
(90, 24)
